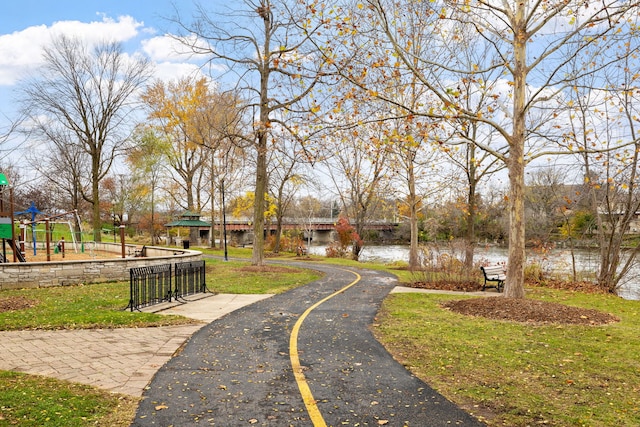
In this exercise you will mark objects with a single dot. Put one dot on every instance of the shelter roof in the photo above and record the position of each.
(189, 219)
(190, 214)
(188, 223)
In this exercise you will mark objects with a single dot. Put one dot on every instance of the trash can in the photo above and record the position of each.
(185, 244)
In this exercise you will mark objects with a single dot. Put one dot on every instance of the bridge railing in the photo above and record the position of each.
(314, 224)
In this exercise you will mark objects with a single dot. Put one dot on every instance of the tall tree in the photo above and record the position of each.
(82, 96)
(471, 162)
(261, 42)
(286, 178)
(414, 161)
(359, 168)
(532, 43)
(179, 109)
(222, 131)
(145, 159)
(604, 132)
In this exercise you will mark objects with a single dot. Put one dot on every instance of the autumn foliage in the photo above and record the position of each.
(346, 237)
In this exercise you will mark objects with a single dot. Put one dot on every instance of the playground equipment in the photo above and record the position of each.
(48, 222)
(33, 211)
(7, 228)
(7, 232)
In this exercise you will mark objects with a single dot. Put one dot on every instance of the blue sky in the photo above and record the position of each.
(18, 15)
(28, 25)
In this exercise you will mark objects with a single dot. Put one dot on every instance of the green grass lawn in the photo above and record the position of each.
(522, 375)
(506, 373)
(102, 305)
(238, 277)
(29, 400)
(34, 401)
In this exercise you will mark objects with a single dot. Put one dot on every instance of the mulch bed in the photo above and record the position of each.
(527, 310)
(524, 310)
(470, 286)
(16, 303)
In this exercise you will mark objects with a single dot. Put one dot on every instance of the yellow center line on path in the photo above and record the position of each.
(305, 391)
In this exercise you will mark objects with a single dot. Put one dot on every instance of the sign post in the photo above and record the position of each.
(6, 217)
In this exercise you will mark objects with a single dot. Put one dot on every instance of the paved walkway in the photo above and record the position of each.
(301, 358)
(119, 360)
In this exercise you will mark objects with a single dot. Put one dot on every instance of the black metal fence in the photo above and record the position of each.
(189, 278)
(166, 282)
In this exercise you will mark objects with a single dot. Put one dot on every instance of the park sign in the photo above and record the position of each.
(6, 228)
(6, 221)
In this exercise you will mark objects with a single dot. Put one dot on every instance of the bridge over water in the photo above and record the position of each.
(322, 229)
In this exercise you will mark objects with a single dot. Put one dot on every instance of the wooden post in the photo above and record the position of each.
(122, 239)
(48, 238)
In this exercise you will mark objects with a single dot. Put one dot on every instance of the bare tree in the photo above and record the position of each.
(262, 43)
(602, 116)
(65, 171)
(359, 169)
(286, 179)
(221, 129)
(531, 44)
(82, 96)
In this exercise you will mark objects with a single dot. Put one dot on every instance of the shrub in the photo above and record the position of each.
(347, 236)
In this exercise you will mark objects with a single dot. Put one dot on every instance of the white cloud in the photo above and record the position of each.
(174, 59)
(120, 30)
(21, 51)
(166, 48)
(167, 71)
(169, 48)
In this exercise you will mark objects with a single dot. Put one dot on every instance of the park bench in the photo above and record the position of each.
(137, 252)
(301, 251)
(494, 273)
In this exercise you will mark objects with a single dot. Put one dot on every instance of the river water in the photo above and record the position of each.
(556, 261)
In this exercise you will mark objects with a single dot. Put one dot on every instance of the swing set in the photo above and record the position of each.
(48, 231)
(7, 226)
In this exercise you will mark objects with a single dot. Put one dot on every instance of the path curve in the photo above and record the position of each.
(237, 370)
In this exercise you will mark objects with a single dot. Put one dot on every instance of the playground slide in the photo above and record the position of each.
(16, 250)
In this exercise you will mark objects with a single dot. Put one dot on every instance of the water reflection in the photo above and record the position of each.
(557, 261)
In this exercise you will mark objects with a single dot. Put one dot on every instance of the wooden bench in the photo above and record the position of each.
(494, 273)
(137, 253)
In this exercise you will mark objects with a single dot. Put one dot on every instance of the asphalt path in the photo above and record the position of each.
(302, 358)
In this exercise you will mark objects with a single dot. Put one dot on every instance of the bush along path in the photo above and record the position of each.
(302, 358)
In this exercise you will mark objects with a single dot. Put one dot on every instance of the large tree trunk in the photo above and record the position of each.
(515, 271)
(514, 287)
(470, 238)
(257, 255)
(414, 260)
(95, 188)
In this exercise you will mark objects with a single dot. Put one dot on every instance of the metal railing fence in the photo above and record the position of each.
(189, 278)
(164, 283)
